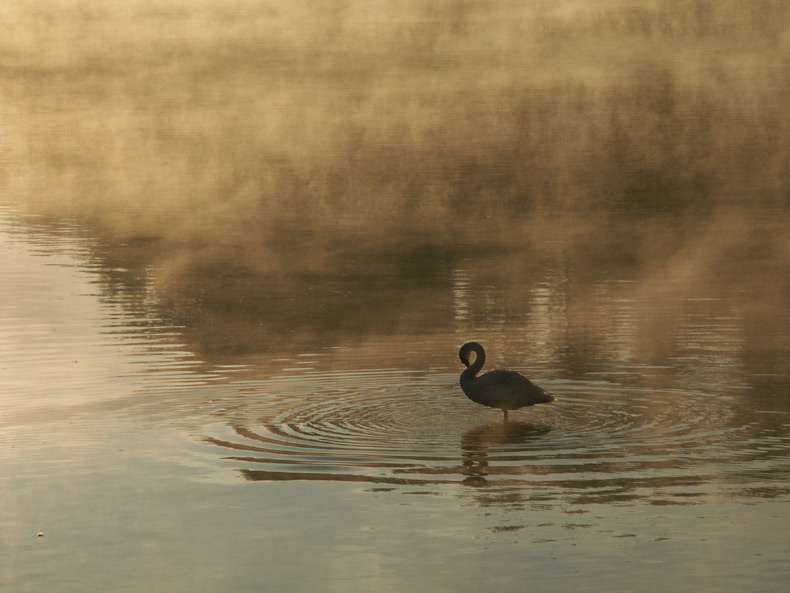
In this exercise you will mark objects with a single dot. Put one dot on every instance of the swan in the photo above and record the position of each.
(506, 390)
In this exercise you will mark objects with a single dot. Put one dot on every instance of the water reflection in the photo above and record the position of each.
(602, 443)
(349, 374)
(476, 444)
(363, 354)
(554, 305)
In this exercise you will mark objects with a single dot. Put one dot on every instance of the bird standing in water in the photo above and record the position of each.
(506, 390)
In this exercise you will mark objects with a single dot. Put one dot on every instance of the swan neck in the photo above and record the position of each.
(480, 359)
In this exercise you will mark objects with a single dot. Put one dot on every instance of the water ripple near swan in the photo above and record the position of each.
(600, 442)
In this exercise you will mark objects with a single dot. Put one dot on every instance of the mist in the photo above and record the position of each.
(199, 120)
(368, 138)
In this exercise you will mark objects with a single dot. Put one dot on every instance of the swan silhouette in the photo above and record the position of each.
(506, 390)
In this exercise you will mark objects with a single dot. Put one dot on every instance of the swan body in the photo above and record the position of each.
(506, 390)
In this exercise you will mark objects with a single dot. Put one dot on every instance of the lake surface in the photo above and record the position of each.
(150, 456)
(241, 247)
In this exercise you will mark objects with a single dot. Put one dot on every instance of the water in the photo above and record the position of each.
(240, 249)
(149, 459)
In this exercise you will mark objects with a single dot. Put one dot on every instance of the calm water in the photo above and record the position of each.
(241, 245)
(151, 457)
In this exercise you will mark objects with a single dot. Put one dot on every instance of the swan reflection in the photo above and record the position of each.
(501, 440)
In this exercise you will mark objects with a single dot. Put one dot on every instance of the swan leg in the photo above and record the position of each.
(505, 411)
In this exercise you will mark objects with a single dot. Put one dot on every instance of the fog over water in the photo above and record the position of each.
(201, 121)
(242, 243)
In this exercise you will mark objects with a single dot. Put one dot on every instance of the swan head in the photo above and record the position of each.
(463, 353)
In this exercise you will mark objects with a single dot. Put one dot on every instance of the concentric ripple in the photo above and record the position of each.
(599, 442)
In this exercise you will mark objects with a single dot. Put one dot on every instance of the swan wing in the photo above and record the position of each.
(507, 390)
